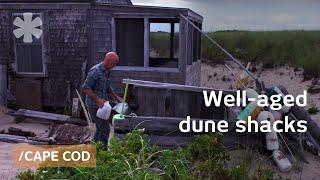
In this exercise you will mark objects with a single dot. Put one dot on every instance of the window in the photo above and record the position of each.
(130, 41)
(164, 43)
(147, 43)
(28, 55)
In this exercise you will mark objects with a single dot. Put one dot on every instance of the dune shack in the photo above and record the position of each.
(154, 44)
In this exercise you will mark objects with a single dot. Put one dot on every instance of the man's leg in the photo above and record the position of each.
(102, 128)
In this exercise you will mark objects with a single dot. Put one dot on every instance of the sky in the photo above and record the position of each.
(253, 15)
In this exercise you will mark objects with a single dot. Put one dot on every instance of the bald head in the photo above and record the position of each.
(110, 60)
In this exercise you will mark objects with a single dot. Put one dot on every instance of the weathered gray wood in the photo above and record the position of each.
(165, 141)
(75, 107)
(3, 85)
(40, 115)
(146, 42)
(38, 6)
(160, 85)
(229, 141)
(19, 139)
(152, 125)
(113, 34)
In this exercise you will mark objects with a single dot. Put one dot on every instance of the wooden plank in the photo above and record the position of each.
(44, 6)
(152, 125)
(3, 85)
(229, 141)
(165, 141)
(146, 42)
(152, 84)
(113, 35)
(19, 139)
(40, 115)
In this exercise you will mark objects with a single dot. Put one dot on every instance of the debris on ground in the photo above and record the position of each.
(20, 132)
(72, 134)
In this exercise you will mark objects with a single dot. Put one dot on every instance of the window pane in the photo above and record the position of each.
(29, 58)
(160, 40)
(164, 43)
(130, 41)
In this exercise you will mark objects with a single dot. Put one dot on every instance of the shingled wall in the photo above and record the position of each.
(74, 35)
(69, 49)
(4, 38)
(123, 2)
(101, 34)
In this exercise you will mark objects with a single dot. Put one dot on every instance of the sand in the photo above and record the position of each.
(7, 169)
(299, 171)
(217, 76)
(284, 75)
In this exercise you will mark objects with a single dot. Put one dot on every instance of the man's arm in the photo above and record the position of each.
(113, 95)
(100, 102)
(88, 86)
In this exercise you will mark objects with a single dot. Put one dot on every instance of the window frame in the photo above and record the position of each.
(15, 66)
(146, 42)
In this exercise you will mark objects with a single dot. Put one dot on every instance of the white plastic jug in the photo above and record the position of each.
(272, 140)
(118, 108)
(105, 111)
(282, 161)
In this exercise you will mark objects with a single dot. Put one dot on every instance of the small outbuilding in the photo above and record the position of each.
(154, 44)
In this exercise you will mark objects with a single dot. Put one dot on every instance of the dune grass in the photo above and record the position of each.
(134, 158)
(297, 48)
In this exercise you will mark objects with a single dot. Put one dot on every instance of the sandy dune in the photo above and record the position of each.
(217, 76)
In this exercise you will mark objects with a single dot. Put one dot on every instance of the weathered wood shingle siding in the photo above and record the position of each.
(69, 49)
(75, 33)
(4, 38)
(102, 37)
(123, 2)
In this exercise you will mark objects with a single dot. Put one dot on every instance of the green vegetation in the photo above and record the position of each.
(160, 44)
(297, 48)
(134, 158)
(313, 110)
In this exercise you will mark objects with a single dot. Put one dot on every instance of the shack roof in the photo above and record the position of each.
(113, 5)
(127, 2)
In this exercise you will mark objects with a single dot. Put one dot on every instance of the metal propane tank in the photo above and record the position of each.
(282, 161)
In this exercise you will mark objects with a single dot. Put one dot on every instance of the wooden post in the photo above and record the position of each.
(146, 42)
(3, 85)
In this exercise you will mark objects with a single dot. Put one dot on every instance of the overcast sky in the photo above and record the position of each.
(250, 14)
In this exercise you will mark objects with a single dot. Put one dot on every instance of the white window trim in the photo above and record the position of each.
(15, 66)
(146, 59)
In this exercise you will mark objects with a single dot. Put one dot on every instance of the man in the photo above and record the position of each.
(98, 89)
